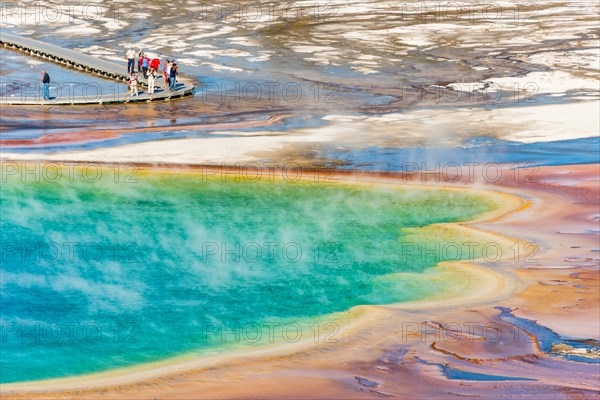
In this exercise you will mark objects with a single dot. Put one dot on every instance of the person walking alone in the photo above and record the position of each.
(130, 60)
(46, 82)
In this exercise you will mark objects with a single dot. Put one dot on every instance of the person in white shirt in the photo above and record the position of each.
(130, 60)
(151, 80)
(133, 84)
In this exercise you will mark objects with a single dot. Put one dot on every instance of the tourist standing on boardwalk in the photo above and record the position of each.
(140, 58)
(173, 76)
(154, 64)
(46, 81)
(145, 66)
(133, 84)
(167, 71)
(151, 80)
(130, 60)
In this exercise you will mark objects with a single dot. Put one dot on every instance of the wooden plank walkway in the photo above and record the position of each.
(86, 63)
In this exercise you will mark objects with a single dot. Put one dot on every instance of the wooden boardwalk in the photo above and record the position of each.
(86, 63)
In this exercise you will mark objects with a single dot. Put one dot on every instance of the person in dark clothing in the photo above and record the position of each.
(173, 76)
(46, 81)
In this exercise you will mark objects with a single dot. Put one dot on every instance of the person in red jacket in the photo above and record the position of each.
(140, 59)
(154, 64)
